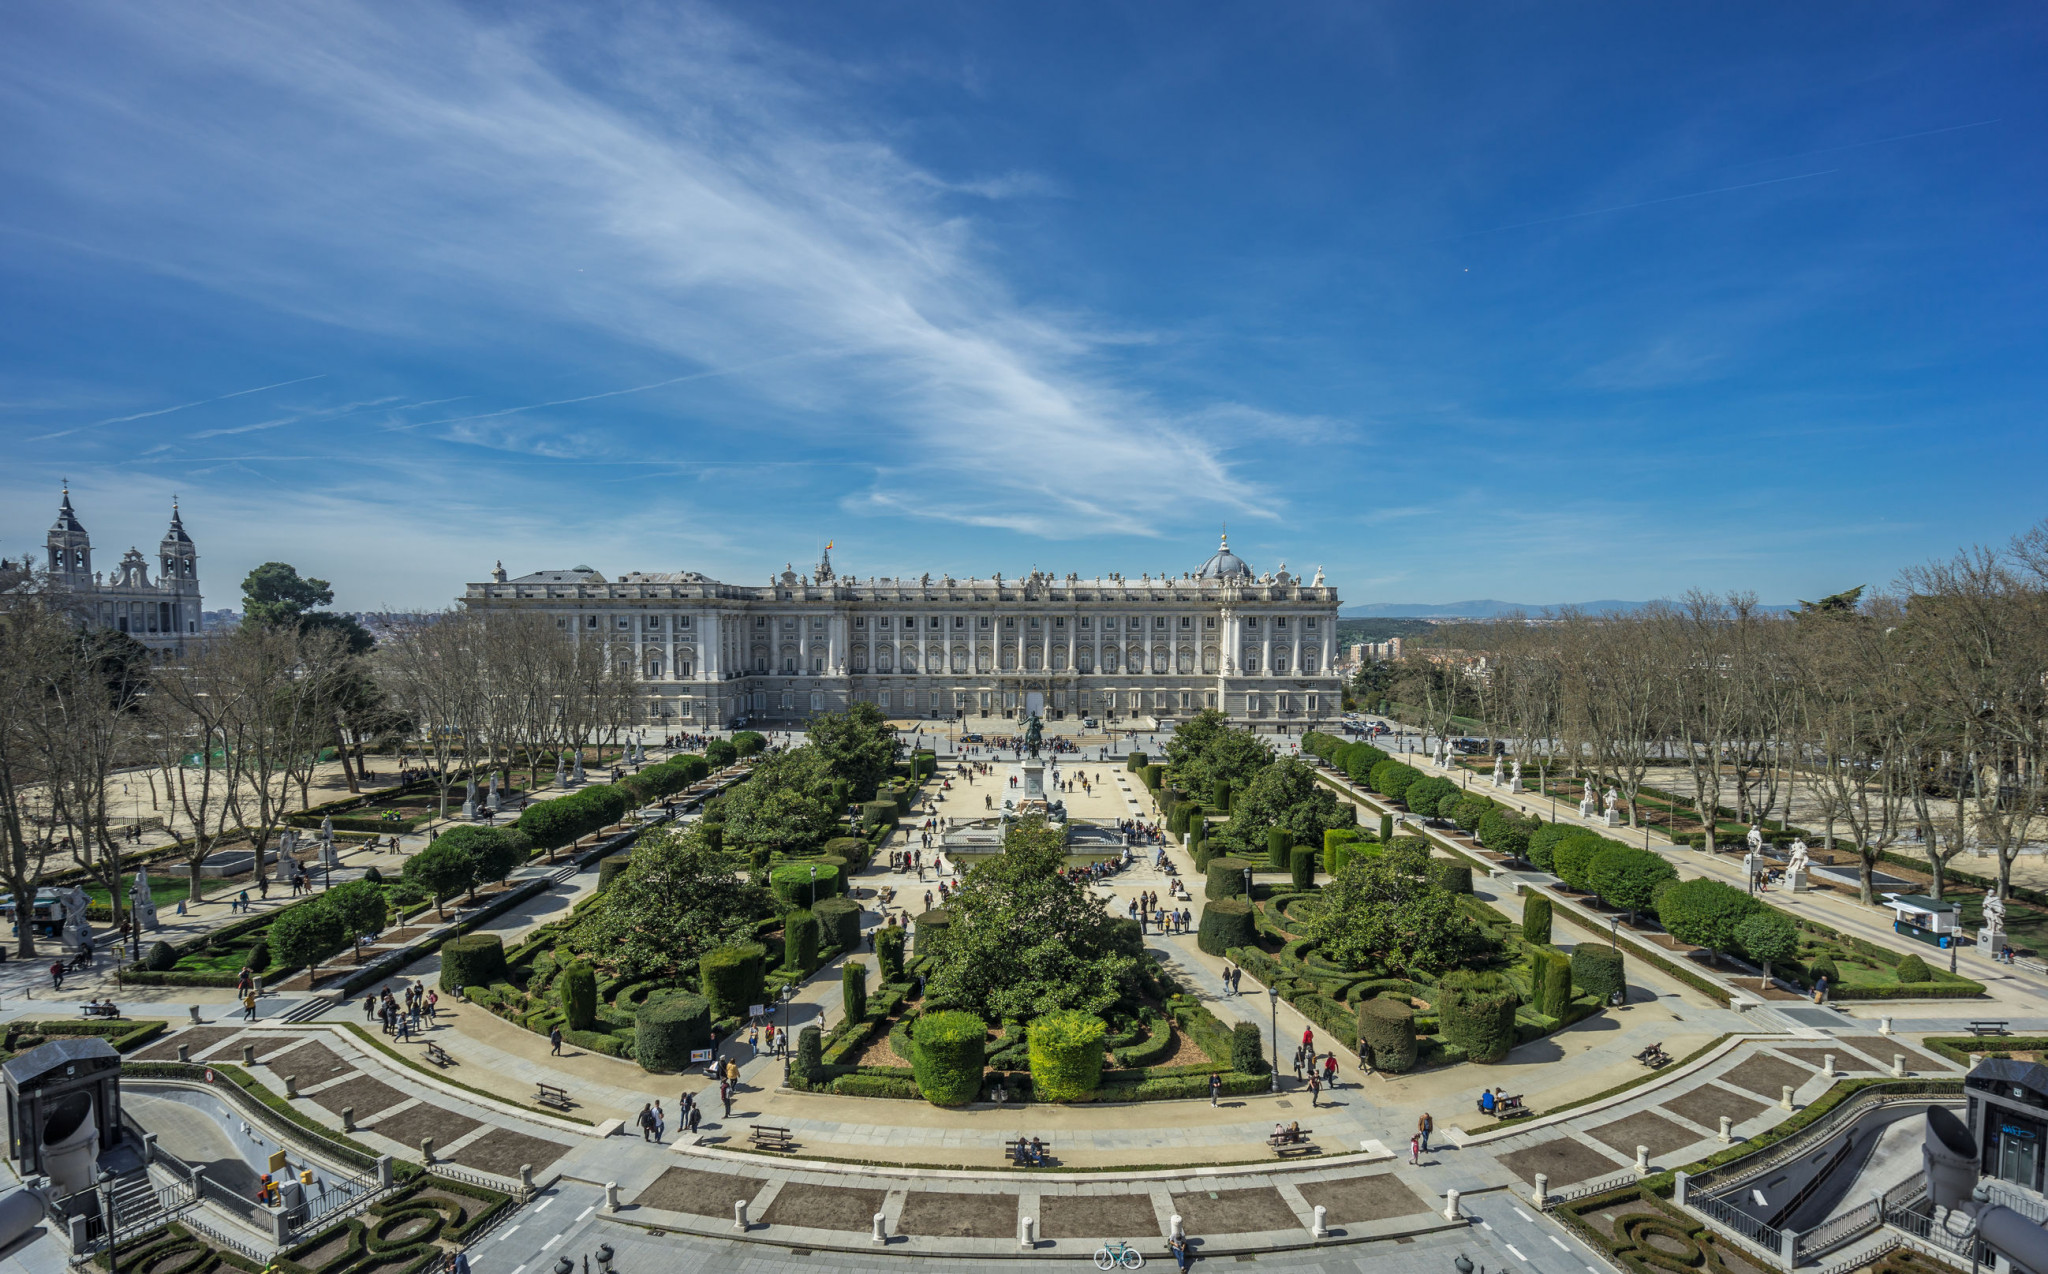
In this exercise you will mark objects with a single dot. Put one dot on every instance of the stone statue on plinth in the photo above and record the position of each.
(1034, 733)
(1498, 779)
(1613, 813)
(561, 771)
(1795, 868)
(1755, 839)
(140, 905)
(1991, 936)
(76, 928)
(1588, 802)
(579, 779)
(1515, 783)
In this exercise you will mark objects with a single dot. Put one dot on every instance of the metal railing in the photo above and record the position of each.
(193, 1075)
(1862, 1259)
(1726, 1215)
(337, 1201)
(1834, 1232)
(1799, 1143)
(2028, 1206)
(194, 1221)
(1587, 1189)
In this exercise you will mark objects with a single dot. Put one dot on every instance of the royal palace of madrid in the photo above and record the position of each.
(1259, 645)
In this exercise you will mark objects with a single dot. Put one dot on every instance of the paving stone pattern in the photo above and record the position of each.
(503, 1151)
(967, 1216)
(407, 1126)
(698, 1193)
(197, 1038)
(1706, 1104)
(368, 1096)
(311, 1063)
(1563, 1160)
(1817, 1057)
(1097, 1216)
(1766, 1075)
(1644, 1128)
(819, 1207)
(1379, 1197)
(1234, 1211)
(1881, 1049)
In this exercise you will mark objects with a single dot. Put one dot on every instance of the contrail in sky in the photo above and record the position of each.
(609, 393)
(1596, 212)
(165, 411)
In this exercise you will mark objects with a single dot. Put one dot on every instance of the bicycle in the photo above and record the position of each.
(1110, 1255)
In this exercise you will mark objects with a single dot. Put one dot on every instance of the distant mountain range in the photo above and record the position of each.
(1488, 608)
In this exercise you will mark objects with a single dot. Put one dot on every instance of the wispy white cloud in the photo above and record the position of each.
(165, 411)
(678, 184)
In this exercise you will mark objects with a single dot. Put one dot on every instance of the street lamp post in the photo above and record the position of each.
(814, 886)
(1247, 884)
(788, 994)
(1273, 997)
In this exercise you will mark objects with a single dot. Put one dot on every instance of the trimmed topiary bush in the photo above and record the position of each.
(1066, 1055)
(1332, 838)
(1152, 774)
(1572, 857)
(578, 985)
(1224, 877)
(1550, 974)
(1386, 1031)
(474, 959)
(791, 882)
(666, 1031)
(930, 923)
(1624, 876)
(1302, 866)
(1598, 971)
(800, 933)
(1536, 919)
(841, 920)
(1450, 876)
(731, 978)
(1278, 842)
(1221, 795)
(161, 956)
(853, 990)
(1476, 1012)
(948, 1051)
(1544, 841)
(1824, 967)
(1226, 923)
(810, 1054)
(889, 953)
(720, 753)
(1247, 1049)
(1914, 969)
(1386, 828)
(610, 869)
(259, 955)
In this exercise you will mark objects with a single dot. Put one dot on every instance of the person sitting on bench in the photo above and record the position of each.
(1486, 1102)
(1037, 1152)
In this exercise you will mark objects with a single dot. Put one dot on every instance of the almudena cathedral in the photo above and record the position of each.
(1258, 645)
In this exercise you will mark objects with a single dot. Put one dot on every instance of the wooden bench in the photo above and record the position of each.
(765, 1137)
(98, 1010)
(1292, 1143)
(439, 1057)
(551, 1095)
(1013, 1151)
(1989, 1028)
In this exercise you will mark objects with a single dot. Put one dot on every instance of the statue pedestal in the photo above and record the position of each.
(1030, 779)
(1614, 818)
(1515, 786)
(1795, 880)
(1588, 807)
(1991, 939)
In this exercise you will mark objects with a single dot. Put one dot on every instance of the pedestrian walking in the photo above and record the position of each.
(1415, 1151)
(1315, 1087)
(696, 1112)
(1297, 1065)
(1330, 1070)
(725, 1097)
(555, 1042)
(249, 1007)
(660, 1122)
(1424, 1127)
(647, 1123)
(1229, 971)
(1215, 1087)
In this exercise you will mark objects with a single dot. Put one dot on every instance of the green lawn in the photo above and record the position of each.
(165, 889)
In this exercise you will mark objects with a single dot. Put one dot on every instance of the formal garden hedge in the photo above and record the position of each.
(567, 819)
(1477, 1013)
(1225, 877)
(948, 1050)
(1386, 1032)
(665, 1033)
(1536, 919)
(730, 978)
(472, 960)
(1225, 923)
(1066, 1055)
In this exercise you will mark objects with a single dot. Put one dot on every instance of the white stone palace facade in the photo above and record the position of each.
(1262, 647)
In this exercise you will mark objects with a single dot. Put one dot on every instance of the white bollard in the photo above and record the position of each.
(1827, 1065)
(611, 1196)
(1725, 1126)
(1319, 1229)
(1785, 1099)
(194, 1011)
(1450, 1205)
(1175, 1228)
(1898, 1065)
(1884, 1026)
(881, 1233)
(1642, 1161)
(1542, 1190)
(1026, 1233)
(739, 1215)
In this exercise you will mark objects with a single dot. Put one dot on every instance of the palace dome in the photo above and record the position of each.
(1224, 564)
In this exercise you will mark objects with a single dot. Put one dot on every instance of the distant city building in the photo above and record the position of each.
(1260, 647)
(162, 613)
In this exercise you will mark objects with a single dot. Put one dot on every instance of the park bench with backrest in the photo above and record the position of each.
(551, 1095)
(1292, 1141)
(439, 1057)
(1990, 1028)
(96, 1009)
(1018, 1152)
(767, 1137)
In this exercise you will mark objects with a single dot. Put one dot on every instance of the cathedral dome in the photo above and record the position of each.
(1224, 564)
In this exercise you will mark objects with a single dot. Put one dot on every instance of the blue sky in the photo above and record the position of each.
(1546, 302)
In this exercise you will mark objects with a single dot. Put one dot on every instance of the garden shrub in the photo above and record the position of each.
(1705, 913)
(1536, 919)
(731, 978)
(879, 813)
(1598, 971)
(840, 918)
(1066, 1055)
(853, 990)
(810, 1051)
(307, 932)
(1332, 838)
(1386, 1030)
(1386, 828)
(720, 753)
(1220, 795)
(1823, 966)
(1476, 1012)
(1152, 774)
(1428, 792)
(373, 875)
(800, 931)
(1450, 876)
(578, 985)
(161, 956)
(1545, 840)
(1573, 856)
(1224, 877)
(948, 1050)
(1471, 810)
(1302, 866)
(1226, 923)
(1247, 1049)
(791, 882)
(1626, 877)
(889, 953)
(1278, 842)
(1914, 969)
(1550, 976)
(664, 1032)
(474, 959)
(611, 869)
(1135, 761)
(259, 956)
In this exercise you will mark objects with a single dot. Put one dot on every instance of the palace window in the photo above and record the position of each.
(682, 621)
(959, 621)
(1280, 661)
(818, 625)
(884, 662)
(981, 661)
(1086, 622)
(653, 622)
(624, 623)
(561, 621)
(789, 624)
(1187, 621)
(1009, 621)
(1251, 661)
(1135, 622)
(1059, 621)
(1159, 621)
(933, 622)
(1251, 621)
(654, 669)
(789, 664)
(984, 621)
(1209, 621)
(1280, 622)
(1308, 661)
(590, 621)
(1009, 662)
(1034, 622)
(882, 699)
(959, 661)
(760, 621)
(1109, 660)
(1187, 663)
(1310, 622)
(1159, 661)
(861, 621)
